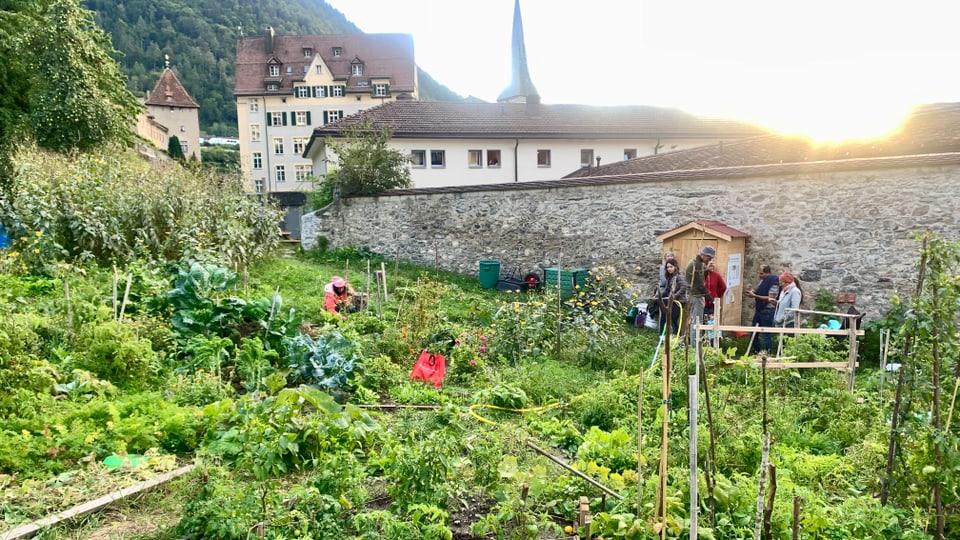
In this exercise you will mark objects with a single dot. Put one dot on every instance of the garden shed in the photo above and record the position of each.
(687, 240)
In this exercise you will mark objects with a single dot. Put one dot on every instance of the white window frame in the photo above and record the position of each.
(254, 105)
(543, 158)
(274, 70)
(418, 159)
(438, 163)
(301, 173)
(299, 143)
(300, 118)
(475, 159)
(493, 159)
(629, 153)
(586, 157)
(319, 69)
(337, 91)
(303, 92)
(281, 173)
(307, 52)
(333, 116)
(356, 69)
(258, 186)
(278, 146)
(257, 160)
(320, 90)
(381, 90)
(276, 119)
(273, 87)
(337, 52)
(254, 132)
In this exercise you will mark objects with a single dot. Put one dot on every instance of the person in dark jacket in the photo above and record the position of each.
(672, 291)
(765, 297)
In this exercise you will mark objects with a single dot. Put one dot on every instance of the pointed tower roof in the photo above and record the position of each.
(521, 89)
(170, 93)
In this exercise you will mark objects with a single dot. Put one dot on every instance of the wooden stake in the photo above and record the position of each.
(711, 468)
(396, 268)
(126, 295)
(796, 517)
(367, 288)
(383, 270)
(66, 295)
(115, 278)
(693, 397)
(768, 511)
(640, 443)
(764, 461)
(566, 466)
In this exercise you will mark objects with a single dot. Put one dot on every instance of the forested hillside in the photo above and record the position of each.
(201, 39)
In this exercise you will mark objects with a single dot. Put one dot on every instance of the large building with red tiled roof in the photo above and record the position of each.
(288, 85)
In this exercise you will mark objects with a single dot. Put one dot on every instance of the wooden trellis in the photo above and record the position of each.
(851, 332)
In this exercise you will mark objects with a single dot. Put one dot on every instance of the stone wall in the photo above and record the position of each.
(846, 231)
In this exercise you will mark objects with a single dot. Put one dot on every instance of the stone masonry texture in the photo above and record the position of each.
(852, 231)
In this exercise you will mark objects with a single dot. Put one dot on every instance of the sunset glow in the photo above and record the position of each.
(830, 70)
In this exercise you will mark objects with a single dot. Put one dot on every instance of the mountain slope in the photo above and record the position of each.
(201, 38)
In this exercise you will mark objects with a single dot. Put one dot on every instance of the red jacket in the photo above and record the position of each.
(715, 286)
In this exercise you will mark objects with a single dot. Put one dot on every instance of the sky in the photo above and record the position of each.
(829, 69)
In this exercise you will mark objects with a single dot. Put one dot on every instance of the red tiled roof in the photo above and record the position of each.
(930, 129)
(385, 56)
(170, 93)
(415, 119)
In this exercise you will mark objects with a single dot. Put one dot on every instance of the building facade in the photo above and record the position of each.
(289, 85)
(456, 144)
(171, 111)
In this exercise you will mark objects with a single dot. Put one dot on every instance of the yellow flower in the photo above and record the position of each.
(13, 254)
(38, 233)
(36, 250)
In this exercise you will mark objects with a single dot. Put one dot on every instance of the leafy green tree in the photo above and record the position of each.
(174, 150)
(59, 82)
(366, 164)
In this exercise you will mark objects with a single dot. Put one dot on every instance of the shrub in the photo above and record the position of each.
(114, 352)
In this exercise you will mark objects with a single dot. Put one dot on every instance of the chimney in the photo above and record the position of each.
(270, 38)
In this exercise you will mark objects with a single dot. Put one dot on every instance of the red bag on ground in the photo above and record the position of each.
(430, 368)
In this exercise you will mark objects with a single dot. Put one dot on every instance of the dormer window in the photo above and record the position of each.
(337, 51)
(289, 69)
(307, 52)
(356, 68)
(274, 71)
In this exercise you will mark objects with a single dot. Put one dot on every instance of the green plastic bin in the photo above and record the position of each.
(489, 274)
(568, 278)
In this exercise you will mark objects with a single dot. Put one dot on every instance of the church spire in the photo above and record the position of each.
(521, 89)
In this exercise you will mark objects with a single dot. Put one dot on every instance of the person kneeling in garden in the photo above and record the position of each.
(338, 296)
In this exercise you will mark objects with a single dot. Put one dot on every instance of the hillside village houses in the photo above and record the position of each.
(169, 111)
(520, 139)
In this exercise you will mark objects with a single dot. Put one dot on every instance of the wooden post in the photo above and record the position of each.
(764, 461)
(852, 359)
(396, 268)
(693, 398)
(115, 278)
(66, 295)
(367, 288)
(796, 517)
(126, 296)
(768, 511)
(383, 270)
(640, 443)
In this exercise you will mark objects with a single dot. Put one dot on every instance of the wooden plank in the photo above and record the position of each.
(791, 365)
(30, 529)
(777, 330)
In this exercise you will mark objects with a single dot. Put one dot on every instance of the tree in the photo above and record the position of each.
(366, 164)
(59, 82)
(174, 150)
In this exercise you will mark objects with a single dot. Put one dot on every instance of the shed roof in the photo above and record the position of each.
(709, 226)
